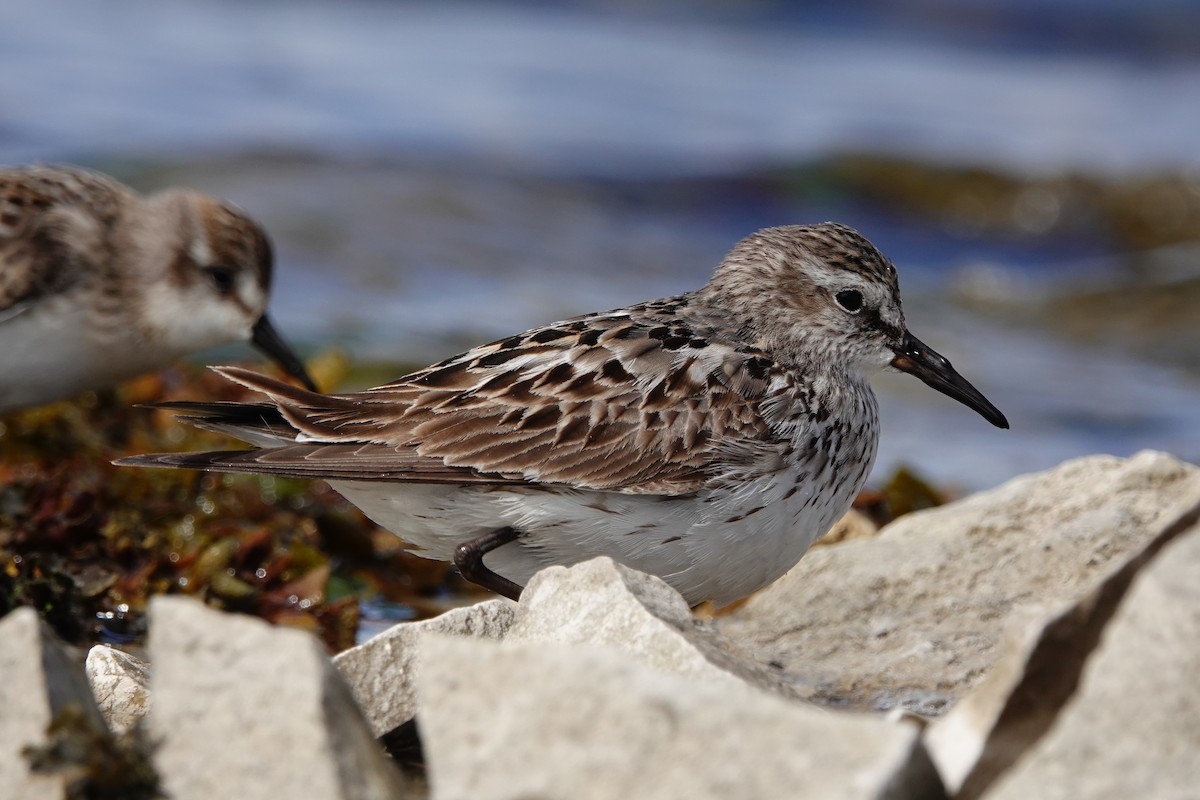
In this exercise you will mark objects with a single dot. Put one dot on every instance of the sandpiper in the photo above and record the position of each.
(707, 438)
(98, 284)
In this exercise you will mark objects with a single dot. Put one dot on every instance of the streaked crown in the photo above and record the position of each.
(814, 291)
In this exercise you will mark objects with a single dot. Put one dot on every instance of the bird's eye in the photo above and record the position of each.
(222, 278)
(850, 299)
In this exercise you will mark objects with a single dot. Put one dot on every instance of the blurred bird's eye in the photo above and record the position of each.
(850, 299)
(222, 278)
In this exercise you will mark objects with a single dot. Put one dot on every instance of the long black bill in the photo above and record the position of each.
(917, 358)
(268, 340)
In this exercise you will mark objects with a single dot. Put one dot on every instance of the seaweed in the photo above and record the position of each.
(87, 543)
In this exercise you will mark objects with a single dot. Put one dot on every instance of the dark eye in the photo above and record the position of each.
(222, 278)
(850, 299)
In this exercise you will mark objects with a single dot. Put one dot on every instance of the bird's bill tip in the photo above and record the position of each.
(267, 339)
(917, 358)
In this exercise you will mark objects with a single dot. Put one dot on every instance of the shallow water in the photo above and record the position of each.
(435, 175)
(585, 88)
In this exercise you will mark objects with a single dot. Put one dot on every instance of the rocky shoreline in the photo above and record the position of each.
(1037, 640)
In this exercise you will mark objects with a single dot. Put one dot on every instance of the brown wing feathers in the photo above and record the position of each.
(330, 462)
(618, 406)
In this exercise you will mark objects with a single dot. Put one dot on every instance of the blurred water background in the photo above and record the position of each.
(439, 174)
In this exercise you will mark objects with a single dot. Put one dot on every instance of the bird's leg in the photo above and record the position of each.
(468, 557)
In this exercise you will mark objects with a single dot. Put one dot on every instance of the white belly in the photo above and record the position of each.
(715, 545)
(45, 356)
(51, 352)
(743, 531)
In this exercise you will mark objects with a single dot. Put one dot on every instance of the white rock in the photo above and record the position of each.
(38, 681)
(121, 685)
(380, 671)
(916, 616)
(509, 721)
(243, 709)
(598, 602)
(603, 603)
(1024, 693)
(963, 741)
(1133, 727)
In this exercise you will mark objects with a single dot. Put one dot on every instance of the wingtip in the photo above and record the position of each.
(265, 384)
(148, 460)
(238, 375)
(176, 406)
(205, 460)
(249, 378)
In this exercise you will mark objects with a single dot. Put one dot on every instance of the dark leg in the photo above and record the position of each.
(468, 557)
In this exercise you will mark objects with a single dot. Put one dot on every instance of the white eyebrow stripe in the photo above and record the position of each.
(199, 250)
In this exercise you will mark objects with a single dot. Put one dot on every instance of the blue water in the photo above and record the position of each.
(435, 174)
(576, 89)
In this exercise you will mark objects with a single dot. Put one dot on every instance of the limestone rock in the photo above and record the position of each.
(995, 724)
(1133, 727)
(962, 742)
(40, 682)
(916, 616)
(243, 709)
(603, 603)
(120, 684)
(597, 602)
(853, 525)
(516, 720)
(380, 671)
